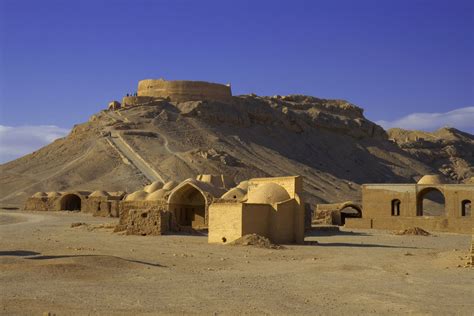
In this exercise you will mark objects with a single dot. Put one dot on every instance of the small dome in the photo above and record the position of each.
(244, 185)
(154, 186)
(53, 194)
(40, 194)
(170, 185)
(157, 195)
(137, 196)
(268, 193)
(235, 194)
(99, 193)
(432, 179)
(470, 180)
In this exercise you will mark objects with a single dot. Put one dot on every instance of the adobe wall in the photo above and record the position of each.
(225, 221)
(126, 206)
(377, 206)
(101, 206)
(429, 223)
(282, 222)
(472, 249)
(256, 219)
(377, 198)
(148, 222)
(182, 90)
(455, 194)
(230, 221)
(39, 204)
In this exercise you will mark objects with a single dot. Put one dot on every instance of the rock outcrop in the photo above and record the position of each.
(447, 150)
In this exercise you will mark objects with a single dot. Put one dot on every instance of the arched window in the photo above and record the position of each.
(466, 208)
(396, 207)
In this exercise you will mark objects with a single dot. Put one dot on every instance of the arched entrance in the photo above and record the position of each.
(430, 202)
(188, 204)
(466, 208)
(71, 202)
(350, 211)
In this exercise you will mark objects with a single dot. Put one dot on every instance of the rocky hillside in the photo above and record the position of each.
(329, 142)
(448, 150)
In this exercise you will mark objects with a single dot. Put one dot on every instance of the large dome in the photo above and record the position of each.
(432, 179)
(268, 193)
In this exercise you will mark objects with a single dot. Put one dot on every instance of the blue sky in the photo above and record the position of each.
(62, 61)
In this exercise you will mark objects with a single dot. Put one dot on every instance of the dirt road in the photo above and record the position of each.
(47, 266)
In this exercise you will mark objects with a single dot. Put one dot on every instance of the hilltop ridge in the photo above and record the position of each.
(329, 142)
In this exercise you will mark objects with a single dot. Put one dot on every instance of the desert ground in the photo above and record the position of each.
(48, 266)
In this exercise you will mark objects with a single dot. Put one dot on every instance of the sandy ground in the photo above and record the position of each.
(47, 266)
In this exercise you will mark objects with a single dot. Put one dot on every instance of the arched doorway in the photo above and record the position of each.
(466, 208)
(350, 211)
(188, 204)
(71, 202)
(430, 202)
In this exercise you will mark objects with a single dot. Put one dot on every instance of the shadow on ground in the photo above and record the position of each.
(32, 255)
(345, 244)
(19, 253)
(315, 232)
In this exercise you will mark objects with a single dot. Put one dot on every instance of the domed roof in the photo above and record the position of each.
(170, 185)
(268, 193)
(470, 180)
(53, 194)
(157, 195)
(40, 194)
(154, 186)
(432, 179)
(236, 194)
(244, 185)
(99, 193)
(137, 196)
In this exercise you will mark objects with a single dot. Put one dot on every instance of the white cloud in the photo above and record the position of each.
(21, 140)
(462, 119)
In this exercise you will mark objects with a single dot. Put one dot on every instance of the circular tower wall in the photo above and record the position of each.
(183, 90)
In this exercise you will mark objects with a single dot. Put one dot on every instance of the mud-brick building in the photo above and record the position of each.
(430, 204)
(271, 207)
(98, 203)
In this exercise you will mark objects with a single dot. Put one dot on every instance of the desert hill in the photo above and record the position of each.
(329, 142)
(448, 150)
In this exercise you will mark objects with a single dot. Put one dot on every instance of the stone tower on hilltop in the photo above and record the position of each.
(183, 90)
